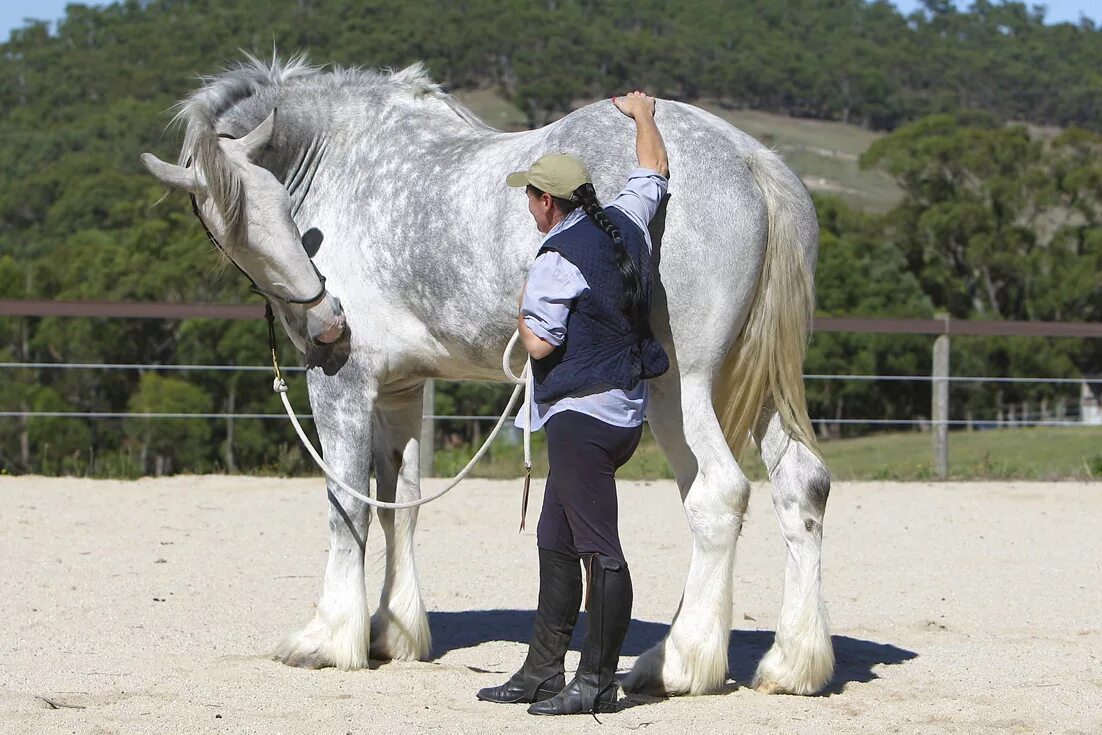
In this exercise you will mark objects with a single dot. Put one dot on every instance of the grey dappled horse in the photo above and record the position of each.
(427, 250)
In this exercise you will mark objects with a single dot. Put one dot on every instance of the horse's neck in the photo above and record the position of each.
(350, 143)
(417, 224)
(372, 181)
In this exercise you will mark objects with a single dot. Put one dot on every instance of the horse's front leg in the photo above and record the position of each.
(339, 634)
(400, 626)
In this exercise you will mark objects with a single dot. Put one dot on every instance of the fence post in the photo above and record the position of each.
(428, 428)
(939, 410)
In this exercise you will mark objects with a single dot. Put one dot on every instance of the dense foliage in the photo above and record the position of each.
(997, 221)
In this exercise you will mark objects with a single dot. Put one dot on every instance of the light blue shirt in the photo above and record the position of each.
(554, 283)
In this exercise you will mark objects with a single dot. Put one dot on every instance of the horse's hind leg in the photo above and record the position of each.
(692, 658)
(801, 660)
(400, 626)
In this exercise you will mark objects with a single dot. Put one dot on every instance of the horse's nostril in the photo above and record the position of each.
(332, 332)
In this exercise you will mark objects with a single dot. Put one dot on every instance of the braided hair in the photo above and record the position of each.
(632, 303)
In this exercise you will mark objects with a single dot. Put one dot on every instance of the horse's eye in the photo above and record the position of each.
(311, 241)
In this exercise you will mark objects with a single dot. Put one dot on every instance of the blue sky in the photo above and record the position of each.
(12, 12)
(1058, 10)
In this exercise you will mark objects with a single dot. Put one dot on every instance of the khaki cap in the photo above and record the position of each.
(557, 174)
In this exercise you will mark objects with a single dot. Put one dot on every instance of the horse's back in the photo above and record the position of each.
(710, 236)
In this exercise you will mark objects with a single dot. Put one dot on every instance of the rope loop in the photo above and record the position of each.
(523, 384)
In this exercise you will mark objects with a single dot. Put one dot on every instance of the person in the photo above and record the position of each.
(584, 319)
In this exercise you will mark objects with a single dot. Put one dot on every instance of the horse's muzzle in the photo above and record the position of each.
(325, 322)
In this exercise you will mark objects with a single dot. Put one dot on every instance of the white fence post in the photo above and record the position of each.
(939, 410)
(428, 429)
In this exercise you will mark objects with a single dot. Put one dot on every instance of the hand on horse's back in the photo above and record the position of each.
(634, 103)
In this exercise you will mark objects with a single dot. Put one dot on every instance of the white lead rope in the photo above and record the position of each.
(526, 380)
(523, 383)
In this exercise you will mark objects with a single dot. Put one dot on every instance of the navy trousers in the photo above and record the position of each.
(579, 514)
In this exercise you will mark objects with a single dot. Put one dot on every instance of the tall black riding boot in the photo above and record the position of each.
(542, 674)
(594, 686)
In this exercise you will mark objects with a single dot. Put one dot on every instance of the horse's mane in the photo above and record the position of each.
(199, 112)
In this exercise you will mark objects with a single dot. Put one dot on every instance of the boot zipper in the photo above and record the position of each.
(588, 580)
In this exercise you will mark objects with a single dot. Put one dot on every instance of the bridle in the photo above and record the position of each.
(253, 285)
(269, 313)
(269, 296)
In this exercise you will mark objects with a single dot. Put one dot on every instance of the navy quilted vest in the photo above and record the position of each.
(601, 348)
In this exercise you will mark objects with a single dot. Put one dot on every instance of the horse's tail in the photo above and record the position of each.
(766, 361)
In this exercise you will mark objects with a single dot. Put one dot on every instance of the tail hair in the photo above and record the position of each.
(766, 361)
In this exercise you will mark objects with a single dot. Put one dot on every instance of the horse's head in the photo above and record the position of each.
(248, 213)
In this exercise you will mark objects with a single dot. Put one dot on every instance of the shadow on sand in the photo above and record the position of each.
(856, 658)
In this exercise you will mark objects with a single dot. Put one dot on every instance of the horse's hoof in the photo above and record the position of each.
(689, 660)
(803, 672)
(768, 687)
(302, 659)
(654, 676)
(390, 641)
(318, 647)
(643, 685)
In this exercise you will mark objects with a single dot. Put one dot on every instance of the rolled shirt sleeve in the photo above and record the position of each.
(553, 284)
(642, 195)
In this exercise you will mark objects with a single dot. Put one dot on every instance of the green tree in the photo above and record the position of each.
(1000, 223)
(859, 275)
(63, 444)
(175, 443)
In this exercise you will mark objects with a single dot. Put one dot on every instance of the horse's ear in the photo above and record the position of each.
(176, 177)
(260, 135)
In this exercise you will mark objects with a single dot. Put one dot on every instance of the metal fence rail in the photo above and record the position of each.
(144, 415)
(999, 423)
(869, 325)
(137, 366)
(940, 377)
(1023, 420)
(268, 368)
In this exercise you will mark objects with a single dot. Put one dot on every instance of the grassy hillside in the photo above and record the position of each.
(824, 154)
(1020, 454)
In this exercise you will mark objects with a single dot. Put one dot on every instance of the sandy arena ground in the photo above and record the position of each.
(149, 607)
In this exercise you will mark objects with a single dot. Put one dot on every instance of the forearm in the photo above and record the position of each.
(650, 149)
(536, 347)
